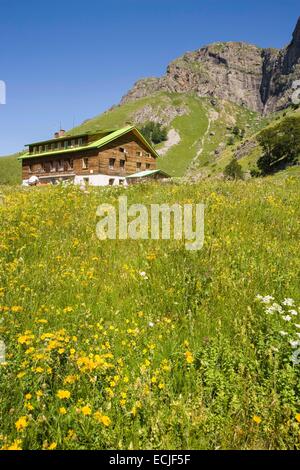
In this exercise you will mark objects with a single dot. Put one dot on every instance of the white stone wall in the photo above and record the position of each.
(99, 180)
(94, 180)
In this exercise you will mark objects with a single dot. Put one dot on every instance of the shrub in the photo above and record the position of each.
(281, 145)
(154, 132)
(233, 170)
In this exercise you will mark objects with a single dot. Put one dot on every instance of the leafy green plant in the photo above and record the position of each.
(233, 170)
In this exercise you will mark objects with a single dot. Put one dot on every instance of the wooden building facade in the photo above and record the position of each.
(105, 158)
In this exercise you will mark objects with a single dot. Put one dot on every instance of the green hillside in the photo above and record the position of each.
(208, 132)
(10, 170)
(201, 125)
(248, 150)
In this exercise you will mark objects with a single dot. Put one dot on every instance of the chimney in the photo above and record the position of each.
(56, 135)
(61, 133)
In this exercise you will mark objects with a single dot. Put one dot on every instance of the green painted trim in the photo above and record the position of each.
(96, 144)
(145, 173)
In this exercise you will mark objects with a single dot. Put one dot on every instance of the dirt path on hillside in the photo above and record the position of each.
(173, 139)
(212, 116)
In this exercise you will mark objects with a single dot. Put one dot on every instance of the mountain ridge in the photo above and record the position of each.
(245, 74)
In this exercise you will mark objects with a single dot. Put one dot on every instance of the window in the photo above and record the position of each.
(40, 148)
(139, 154)
(55, 166)
(122, 163)
(121, 182)
(60, 164)
(73, 142)
(58, 145)
(112, 163)
(111, 181)
(53, 146)
(138, 165)
(66, 144)
(80, 142)
(46, 147)
(147, 154)
(85, 163)
(86, 180)
(122, 150)
(47, 167)
(147, 166)
(34, 149)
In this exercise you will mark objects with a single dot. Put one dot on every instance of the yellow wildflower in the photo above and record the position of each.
(189, 357)
(63, 394)
(86, 410)
(22, 423)
(16, 445)
(103, 419)
(256, 419)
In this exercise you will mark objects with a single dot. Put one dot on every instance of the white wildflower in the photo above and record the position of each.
(293, 312)
(296, 325)
(296, 357)
(288, 302)
(295, 344)
(270, 311)
(283, 333)
(287, 318)
(277, 308)
(267, 299)
(151, 324)
(143, 275)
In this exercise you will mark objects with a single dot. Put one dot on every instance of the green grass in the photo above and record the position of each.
(182, 358)
(10, 170)
(191, 127)
(248, 162)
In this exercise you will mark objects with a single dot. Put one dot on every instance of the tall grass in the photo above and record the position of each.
(142, 344)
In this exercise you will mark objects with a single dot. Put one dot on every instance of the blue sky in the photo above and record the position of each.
(69, 60)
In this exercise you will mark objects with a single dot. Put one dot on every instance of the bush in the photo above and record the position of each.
(154, 132)
(233, 170)
(281, 145)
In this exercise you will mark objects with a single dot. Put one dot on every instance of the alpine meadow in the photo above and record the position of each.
(145, 343)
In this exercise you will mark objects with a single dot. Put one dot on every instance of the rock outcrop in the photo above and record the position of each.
(259, 79)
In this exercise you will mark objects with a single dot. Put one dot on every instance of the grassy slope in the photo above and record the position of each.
(10, 170)
(249, 160)
(204, 367)
(191, 126)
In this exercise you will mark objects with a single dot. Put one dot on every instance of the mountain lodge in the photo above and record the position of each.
(99, 159)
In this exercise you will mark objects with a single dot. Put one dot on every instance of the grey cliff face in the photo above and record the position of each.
(259, 79)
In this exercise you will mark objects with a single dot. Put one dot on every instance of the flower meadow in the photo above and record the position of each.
(141, 344)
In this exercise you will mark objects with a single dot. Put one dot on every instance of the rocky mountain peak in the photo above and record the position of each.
(259, 79)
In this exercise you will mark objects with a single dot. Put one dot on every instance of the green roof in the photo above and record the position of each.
(96, 144)
(145, 173)
(68, 136)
